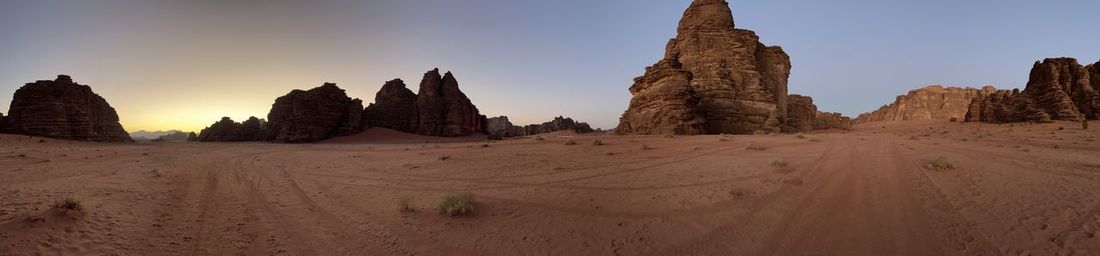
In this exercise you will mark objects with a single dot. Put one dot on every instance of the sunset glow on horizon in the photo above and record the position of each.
(182, 65)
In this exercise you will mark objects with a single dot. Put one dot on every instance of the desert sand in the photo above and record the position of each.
(1015, 190)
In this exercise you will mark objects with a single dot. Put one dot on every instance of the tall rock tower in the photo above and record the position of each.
(714, 78)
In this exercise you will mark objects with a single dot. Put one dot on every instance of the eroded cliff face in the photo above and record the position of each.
(317, 114)
(713, 79)
(394, 107)
(226, 130)
(801, 113)
(63, 109)
(1058, 89)
(933, 102)
(444, 110)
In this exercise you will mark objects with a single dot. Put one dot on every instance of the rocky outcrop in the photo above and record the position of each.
(175, 136)
(500, 127)
(801, 113)
(226, 130)
(317, 114)
(933, 102)
(1058, 89)
(2, 122)
(394, 107)
(444, 110)
(63, 109)
(828, 120)
(713, 79)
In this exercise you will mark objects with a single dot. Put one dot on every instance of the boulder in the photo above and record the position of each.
(63, 109)
(934, 102)
(317, 114)
(500, 127)
(713, 79)
(443, 109)
(1058, 89)
(394, 107)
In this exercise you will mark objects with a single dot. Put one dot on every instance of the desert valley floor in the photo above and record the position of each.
(1016, 190)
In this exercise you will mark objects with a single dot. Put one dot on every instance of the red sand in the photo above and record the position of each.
(1015, 190)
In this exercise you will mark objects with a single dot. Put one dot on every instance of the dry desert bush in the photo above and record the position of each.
(456, 203)
(942, 164)
(755, 147)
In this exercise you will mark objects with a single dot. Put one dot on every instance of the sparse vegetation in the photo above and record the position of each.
(815, 139)
(405, 204)
(484, 145)
(800, 136)
(570, 143)
(760, 132)
(597, 142)
(539, 138)
(914, 137)
(669, 136)
(755, 147)
(67, 204)
(456, 203)
(646, 147)
(444, 158)
(942, 164)
(1085, 124)
(777, 162)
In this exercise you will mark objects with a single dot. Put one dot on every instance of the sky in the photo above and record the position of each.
(184, 64)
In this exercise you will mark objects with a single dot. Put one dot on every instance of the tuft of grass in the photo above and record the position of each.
(914, 137)
(942, 164)
(484, 145)
(405, 204)
(444, 158)
(67, 204)
(1085, 124)
(800, 136)
(597, 142)
(669, 136)
(455, 203)
(723, 139)
(777, 162)
(570, 143)
(759, 132)
(646, 147)
(815, 139)
(755, 147)
(539, 138)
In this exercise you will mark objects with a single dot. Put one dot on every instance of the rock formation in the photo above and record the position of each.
(801, 113)
(1058, 89)
(394, 107)
(933, 102)
(444, 110)
(828, 120)
(227, 130)
(713, 79)
(317, 114)
(500, 127)
(1, 122)
(174, 136)
(63, 109)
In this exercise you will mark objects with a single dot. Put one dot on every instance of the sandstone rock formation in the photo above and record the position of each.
(444, 110)
(933, 102)
(501, 127)
(801, 113)
(828, 120)
(394, 107)
(227, 130)
(63, 109)
(2, 122)
(1058, 89)
(713, 79)
(174, 136)
(317, 114)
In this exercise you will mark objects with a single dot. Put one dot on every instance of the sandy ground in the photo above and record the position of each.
(1016, 190)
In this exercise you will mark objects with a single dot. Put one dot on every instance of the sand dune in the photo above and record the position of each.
(1016, 189)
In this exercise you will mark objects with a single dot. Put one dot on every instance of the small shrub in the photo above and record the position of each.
(800, 136)
(942, 164)
(405, 204)
(570, 142)
(1085, 124)
(597, 143)
(914, 137)
(484, 145)
(669, 136)
(539, 138)
(444, 158)
(68, 204)
(456, 203)
(759, 132)
(815, 139)
(777, 162)
(646, 147)
(1061, 128)
(755, 147)
(723, 139)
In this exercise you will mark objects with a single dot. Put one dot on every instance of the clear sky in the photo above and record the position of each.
(184, 64)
